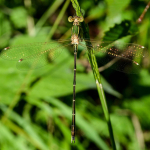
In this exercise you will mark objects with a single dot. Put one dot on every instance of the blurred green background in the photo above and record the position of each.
(35, 106)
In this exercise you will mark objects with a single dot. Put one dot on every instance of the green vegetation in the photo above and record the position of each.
(35, 106)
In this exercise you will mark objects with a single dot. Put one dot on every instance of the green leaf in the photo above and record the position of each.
(120, 30)
(10, 79)
(5, 30)
(140, 107)
(19, 17)
(115, 7)
(144, 79)
(58, 81)
(25, 39)
(97, 12)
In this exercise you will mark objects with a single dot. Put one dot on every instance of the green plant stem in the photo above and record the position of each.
(30, 20)
(47, 14)
(16, 98)
(61, 14)
(96, 73)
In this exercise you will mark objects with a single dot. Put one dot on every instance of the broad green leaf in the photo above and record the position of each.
(126, 28)
(140, 107)
(115, 7)
(5, 31)
(19, 17)
(10, 79)
(97, 12)
(26, 39)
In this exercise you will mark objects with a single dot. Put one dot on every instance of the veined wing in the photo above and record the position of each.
(29, 50)
(36, 55)
(124, 57)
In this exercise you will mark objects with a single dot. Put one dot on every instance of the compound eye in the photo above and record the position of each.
(70, 19)
(81, 19)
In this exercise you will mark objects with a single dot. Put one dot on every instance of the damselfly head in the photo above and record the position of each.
(75, 19)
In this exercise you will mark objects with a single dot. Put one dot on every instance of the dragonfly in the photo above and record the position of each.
(36, 55)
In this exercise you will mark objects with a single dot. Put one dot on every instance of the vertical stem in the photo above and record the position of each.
(30, 19)
(61, 14)
(74, 97)
(106, 112)
(143, 13)
(101, 93)
(96, 73)
(47, 14)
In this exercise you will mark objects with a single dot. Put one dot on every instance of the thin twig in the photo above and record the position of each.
(30, 20)
(140, 19)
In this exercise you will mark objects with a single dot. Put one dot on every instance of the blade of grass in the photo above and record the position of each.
(61, 14)
(30, 19)
(47, 14)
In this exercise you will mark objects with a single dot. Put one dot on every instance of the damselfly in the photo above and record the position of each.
(37, 55)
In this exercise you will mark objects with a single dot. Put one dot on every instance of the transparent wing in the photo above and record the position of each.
(124, 57)
(28, 50)
(34, 55)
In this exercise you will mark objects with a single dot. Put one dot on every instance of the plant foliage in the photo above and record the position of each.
(35, 105)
